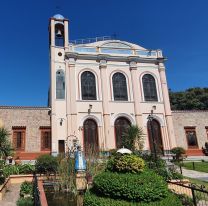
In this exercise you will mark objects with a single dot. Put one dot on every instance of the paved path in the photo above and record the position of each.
(195, 174)
(11, 196)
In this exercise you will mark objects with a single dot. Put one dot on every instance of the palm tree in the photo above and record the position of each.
(5, 145)
(133, 138)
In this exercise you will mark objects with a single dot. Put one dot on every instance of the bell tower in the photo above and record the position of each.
(58, 45)
(58, 31)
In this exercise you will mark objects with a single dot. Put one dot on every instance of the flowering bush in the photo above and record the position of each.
(125, 163)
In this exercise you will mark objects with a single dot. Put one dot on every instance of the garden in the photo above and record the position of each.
(128, 176)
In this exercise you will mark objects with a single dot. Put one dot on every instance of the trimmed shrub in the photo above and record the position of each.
(125, 163)
(46, 164)
(178, 151)
(25, 201)
(91, 199)
(26, 188)
(146, 186)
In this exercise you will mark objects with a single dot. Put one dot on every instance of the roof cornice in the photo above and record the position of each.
(98, 57)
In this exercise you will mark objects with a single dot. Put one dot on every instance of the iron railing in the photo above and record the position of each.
(91, 40)
(189, 193)
(36, 192)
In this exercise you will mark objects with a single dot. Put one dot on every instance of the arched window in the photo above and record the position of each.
(149, 87)
(121, 126)
(60, 84)
(155, 136)
(88, 86)
(119, 87)
(90, 136)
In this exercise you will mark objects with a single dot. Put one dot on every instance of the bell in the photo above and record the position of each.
(58, 33)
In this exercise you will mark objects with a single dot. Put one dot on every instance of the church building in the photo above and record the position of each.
(98, 88)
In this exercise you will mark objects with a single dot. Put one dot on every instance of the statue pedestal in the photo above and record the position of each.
(81, 182)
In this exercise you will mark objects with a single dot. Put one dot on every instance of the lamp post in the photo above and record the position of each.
(150, 119)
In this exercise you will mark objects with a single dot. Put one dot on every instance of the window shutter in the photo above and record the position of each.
(42, 140)
(15, 140)
(23, 140)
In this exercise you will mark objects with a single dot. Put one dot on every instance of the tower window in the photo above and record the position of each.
(60, 85)
(59, 34)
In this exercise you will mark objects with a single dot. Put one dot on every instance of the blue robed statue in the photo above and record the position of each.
(80, 161)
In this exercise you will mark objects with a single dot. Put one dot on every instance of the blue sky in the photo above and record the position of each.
(179, 28)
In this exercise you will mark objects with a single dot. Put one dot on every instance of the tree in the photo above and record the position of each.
(133, 138)
(5, 145)
(190, 99)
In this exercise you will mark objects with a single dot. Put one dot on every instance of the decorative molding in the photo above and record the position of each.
(128, 116)
(103, 63)
(90, 116)
(159, 119)
(98, 57)
(133, 65)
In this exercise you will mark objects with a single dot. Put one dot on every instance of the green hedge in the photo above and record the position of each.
(146, 186)
(91, 199)
(46, 164)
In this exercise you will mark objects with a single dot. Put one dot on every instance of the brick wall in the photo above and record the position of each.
(198, 119)
(30, 117)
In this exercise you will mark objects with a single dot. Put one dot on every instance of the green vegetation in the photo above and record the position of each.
(90, 199)
(190, 99)
(159, 166)
(127, 181)
(26, 188)
(25, 201)
(125, 163)
(2, 180)
(26, 193)
(5, 145)
(66, 172)
(199, 166)
(46, 164)
(146, 186)
(198, 182)
(179, 152)
(205, 149)
(94, 166)
(18, 169)
(133, 138)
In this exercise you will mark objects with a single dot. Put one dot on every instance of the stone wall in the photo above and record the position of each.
(197, 119)
(30, 117)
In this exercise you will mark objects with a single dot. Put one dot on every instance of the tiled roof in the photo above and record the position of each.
(25, 107)
(188, 111)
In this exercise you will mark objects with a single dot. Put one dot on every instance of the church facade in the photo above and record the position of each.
(98, 89)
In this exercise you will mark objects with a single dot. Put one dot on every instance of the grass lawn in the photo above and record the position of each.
(198, 182)
(199, 166)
